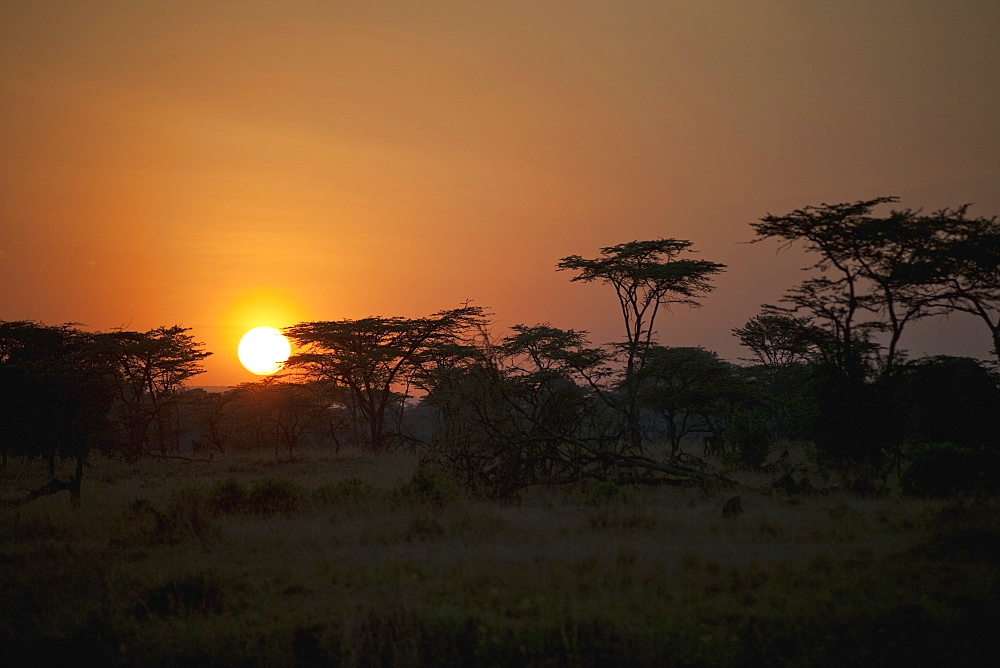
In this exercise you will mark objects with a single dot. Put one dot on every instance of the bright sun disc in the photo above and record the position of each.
(264, 350)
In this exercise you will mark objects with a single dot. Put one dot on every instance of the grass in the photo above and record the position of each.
(362, 560)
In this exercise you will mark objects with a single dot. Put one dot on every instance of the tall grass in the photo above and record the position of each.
(365, 560)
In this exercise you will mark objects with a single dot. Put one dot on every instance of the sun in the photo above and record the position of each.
(263, 350)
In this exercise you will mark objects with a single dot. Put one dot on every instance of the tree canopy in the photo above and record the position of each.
(374, 357)
(879, 273)
(646, 276)
(150, 367)
(874, 275)
(966, 258)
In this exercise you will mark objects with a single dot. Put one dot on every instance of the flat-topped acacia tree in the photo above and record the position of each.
(876, 274)
(372, 357)
(150, 368)
(967, 258)
(646, 276)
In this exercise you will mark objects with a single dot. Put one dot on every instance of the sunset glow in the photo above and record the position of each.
(263, 350)
(446, 332)
(169, 163)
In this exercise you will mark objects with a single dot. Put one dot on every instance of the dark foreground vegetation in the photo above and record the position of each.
(361, 559)
(425, 491)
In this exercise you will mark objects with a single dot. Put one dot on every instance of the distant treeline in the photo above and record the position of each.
(545, 405)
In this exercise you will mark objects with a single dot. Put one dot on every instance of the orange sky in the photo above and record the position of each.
(225, 165)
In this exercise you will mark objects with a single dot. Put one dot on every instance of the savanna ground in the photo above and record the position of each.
(351, 559)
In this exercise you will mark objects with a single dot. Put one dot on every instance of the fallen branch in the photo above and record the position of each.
(53, 486)
(180, 457)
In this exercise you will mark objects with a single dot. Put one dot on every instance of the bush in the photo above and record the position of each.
(188, 515)
(228, 496)
(945, 469)
(748, 439)
(274, 495)
(197, 593)
(347, 492)
(265, 497)
(433, 486)
(606, 492)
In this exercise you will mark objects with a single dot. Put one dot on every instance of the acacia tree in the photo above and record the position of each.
(780, 341)
(55, 394)
(530, 409)
(646, 276)
(150, 368)
(211, 416)
(691, 388)
(876, 274)
(966, 256)
(374, 357)
(514, 412)
(784, 348)
(294, 410)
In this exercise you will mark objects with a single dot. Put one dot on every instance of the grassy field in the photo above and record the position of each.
(354, 560)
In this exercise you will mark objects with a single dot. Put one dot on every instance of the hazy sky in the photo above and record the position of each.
(224, 165)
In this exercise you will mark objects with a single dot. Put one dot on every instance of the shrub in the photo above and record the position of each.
(347, 492)
(748, 439)
(228, 496)
(196, 593)
(188, 516)
(604, 492)
(945, 469)
(265, 497)
(433, 486)
(275, 495)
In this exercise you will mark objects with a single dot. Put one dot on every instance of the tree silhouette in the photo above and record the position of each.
(779, 340)
(966, 256)
(949, 399)
(374, 357)
(150, 368)
(533, 409)
(691, 388)
(646, 276)
(55, 394)
(877, 274)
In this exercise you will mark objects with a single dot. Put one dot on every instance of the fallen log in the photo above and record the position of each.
(53, 486)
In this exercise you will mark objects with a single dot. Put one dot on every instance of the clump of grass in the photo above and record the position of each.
(611, 517)
(430, 486)
(265, 497)
(606, 492)
(965, 532)
(345, 493)
(310, 647)
(187, 517)
(197, 593)
(479, 523)
(276, 495)
(228, 496)
(424, 528)
(30, 527)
